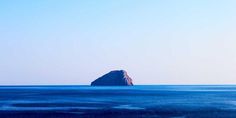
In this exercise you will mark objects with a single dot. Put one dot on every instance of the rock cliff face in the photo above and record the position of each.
(113, 78)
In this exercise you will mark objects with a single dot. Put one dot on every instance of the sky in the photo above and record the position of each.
(57, 42)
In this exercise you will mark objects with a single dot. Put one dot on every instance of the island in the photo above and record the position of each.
(114, 78)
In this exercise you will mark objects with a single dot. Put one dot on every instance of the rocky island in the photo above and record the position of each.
(113, 78)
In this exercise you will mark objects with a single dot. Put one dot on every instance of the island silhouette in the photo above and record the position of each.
(114, 78)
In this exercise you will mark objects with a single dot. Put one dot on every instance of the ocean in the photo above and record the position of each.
(155, 101)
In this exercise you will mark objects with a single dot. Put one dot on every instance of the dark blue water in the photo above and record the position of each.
(131, 101)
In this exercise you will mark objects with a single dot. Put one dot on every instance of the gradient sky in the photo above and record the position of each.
(155, 41)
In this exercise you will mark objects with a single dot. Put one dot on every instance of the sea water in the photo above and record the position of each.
(177, 101)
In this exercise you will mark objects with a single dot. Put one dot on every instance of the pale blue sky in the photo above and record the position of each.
(156, 41)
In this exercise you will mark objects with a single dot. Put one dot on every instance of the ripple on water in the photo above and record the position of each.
(128, 107)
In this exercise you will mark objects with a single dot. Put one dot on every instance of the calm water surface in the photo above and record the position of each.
(132, 101)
